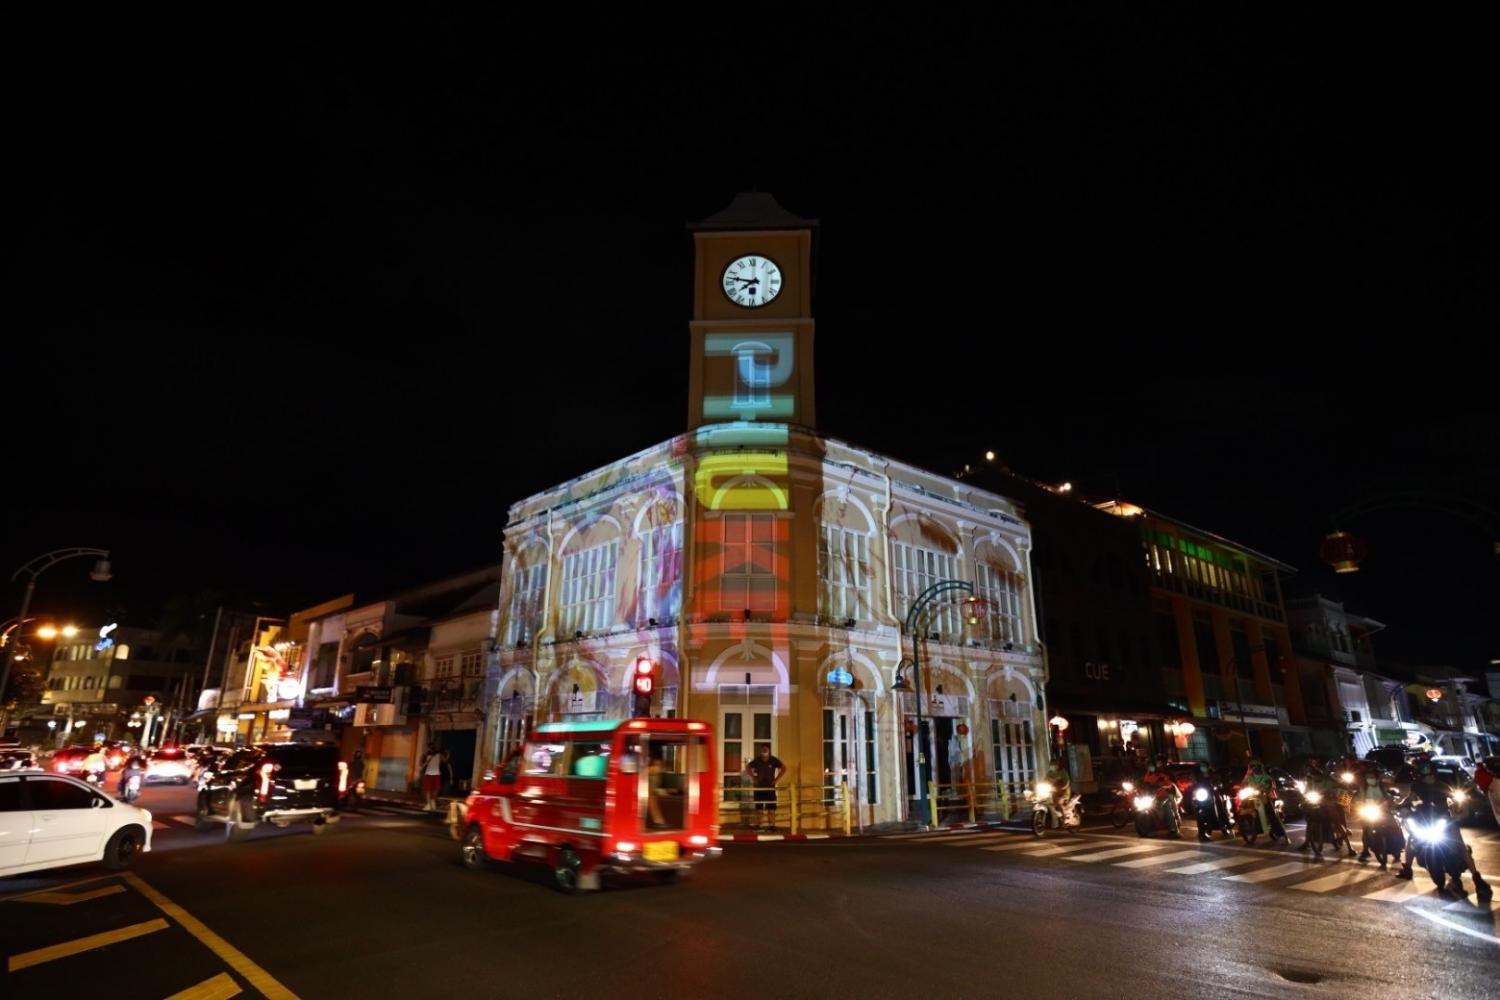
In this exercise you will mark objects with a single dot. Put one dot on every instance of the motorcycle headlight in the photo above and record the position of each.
(1201, 795)
(1248, 793)
(1369, 812)
(1044, 788)
(1144, 802)
(1460, 796)
(1431, 833)
(1301, 785)
(1127, 787)
(1314, 797)
(1347, 778)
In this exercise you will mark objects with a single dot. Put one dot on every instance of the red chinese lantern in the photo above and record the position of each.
(963, 730)
(1434, 694)
(1342, 551)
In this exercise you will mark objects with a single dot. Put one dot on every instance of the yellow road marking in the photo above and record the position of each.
(69, 898)
(56, 888)
(26, 959)
(236, 960)
(220, 987)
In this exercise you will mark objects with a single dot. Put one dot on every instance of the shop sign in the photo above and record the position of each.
(372, 695)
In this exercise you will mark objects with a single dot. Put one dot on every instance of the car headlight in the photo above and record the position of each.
(1314, 797)
(1201, 795)
(1044, 788)
(1144, 802)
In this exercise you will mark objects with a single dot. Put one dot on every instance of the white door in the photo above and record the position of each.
(747, 720)
(66, 825)
(15, 824)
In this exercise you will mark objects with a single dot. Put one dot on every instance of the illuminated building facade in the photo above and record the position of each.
(1222, 633)
(766, 570)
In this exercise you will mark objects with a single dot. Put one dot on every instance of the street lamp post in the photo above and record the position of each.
(100, 574)
(913, 619)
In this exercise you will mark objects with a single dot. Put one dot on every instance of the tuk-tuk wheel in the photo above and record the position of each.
(473, 849)
(567, 869)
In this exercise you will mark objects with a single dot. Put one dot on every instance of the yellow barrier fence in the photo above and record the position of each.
(788, 807)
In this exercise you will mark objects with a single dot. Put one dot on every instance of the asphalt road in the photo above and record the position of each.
(381, 907)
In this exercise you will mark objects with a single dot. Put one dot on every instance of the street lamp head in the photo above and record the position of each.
(101, 572)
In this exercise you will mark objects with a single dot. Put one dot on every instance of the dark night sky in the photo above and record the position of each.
(306, 306)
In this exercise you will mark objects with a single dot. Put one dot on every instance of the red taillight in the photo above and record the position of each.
(343, 777)
(265, 780)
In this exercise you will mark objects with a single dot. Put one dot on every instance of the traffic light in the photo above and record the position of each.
(642, 684)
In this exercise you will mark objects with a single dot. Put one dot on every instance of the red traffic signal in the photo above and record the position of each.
(643, 670)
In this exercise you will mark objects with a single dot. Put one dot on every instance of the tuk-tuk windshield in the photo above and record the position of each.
(568, 759)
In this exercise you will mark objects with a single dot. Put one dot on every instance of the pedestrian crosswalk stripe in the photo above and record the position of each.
(1399, 892)
(1471, 904)
(1160, 859)
(1337, 880)
(1209, 866)
(1117, 852)
(974, 840)
(1029, 841)
(1063, 848)
(1266, 874)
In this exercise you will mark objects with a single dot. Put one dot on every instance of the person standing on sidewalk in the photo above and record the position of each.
(432, 778)
(765, 771)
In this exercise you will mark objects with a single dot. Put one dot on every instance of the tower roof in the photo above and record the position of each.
(753, 210)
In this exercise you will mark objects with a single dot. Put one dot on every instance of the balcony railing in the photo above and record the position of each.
(454, 694)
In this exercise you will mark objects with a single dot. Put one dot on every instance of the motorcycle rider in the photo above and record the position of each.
(1371, 792)
(1159, 783)
(1429, 803)
(1329, 810)
(1203, 779)
(1062, 787)
(134, 767)
(1257, 778)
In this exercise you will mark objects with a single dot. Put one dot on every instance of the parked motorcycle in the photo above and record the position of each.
(1048, 814)
(1157, 813)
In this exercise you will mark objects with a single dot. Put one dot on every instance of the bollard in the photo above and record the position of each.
(796, 819)
(971, 795)
(844, 791)
(932, 802)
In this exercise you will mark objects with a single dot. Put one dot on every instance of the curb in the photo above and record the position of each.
(762, 838)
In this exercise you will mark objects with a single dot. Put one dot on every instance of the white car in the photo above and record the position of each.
(1468, 765)
(52, 820)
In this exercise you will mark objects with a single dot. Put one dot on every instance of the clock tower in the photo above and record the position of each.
(752, 326)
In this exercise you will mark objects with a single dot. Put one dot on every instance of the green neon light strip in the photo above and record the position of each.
(581, 727)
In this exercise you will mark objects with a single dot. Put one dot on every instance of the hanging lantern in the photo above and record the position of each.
(911, 726)
(1186, 729)
(1059, 722)
(1342, 551)
(963, 729)
(1434, 694)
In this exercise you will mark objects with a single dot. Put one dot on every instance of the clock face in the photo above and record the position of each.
(752, 281)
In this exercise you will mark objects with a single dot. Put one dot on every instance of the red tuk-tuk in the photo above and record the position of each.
(629, 795)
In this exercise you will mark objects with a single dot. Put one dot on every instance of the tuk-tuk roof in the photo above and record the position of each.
(595, 726)
(610, 725)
